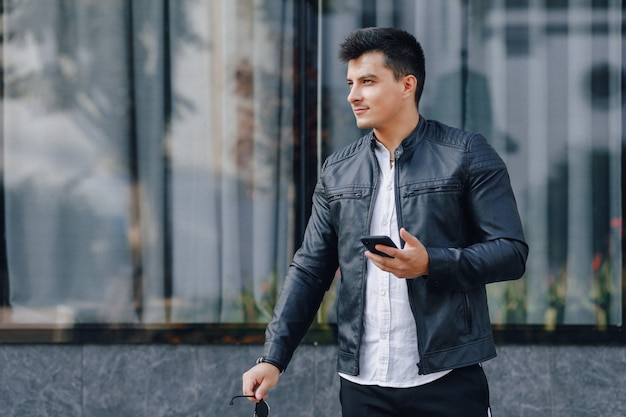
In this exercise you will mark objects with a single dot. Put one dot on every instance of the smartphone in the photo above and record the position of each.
(371, 241)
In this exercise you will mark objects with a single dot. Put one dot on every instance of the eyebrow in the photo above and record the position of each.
(369, 75)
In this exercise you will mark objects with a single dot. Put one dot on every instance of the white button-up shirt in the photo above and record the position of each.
(389, 342)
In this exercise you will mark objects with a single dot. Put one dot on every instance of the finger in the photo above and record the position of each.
(388, 250)
(259, 380)
(269, 381)
(376, 258)
(380, 262)
(261, 392)
(249, 383)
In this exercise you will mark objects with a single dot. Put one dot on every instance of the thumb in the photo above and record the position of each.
(409, 238)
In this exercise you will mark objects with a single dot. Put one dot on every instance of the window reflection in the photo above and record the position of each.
(543, 81)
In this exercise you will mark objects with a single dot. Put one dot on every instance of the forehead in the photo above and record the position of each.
(368, 64)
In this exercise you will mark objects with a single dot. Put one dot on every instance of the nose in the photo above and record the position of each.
(354, 96)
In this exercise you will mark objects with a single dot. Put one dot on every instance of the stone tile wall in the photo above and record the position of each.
(198, 381)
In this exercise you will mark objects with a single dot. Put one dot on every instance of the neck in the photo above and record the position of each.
(391, 137)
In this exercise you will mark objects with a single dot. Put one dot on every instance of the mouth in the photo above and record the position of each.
(359, 110)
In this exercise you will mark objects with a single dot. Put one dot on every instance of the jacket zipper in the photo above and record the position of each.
(436, 188)
(397, 155)
(363, 283)
(420, 349)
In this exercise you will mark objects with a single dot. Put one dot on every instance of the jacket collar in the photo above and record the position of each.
(410, 141)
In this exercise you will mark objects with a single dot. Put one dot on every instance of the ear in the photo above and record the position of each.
(410, 85)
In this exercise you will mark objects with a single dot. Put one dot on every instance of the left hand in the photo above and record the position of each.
(408, 262)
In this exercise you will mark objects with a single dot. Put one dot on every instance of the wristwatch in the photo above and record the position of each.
(263, 359)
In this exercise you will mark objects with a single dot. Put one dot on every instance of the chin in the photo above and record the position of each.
(362, 124)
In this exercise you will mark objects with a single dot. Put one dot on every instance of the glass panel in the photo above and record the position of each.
(543, 82)
(556, 75)
(147, 156)
(148, 149)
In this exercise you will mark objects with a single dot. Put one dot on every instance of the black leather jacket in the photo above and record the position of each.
(452, 192)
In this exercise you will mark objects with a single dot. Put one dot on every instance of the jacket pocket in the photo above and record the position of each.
(468, 313)
(420, 189)
(348, 210)
(345, 195)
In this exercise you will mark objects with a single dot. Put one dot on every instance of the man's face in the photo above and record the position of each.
(376, 97)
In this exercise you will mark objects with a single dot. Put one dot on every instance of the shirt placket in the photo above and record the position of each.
(384, 300)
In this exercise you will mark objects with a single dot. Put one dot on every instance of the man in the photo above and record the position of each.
(413, 327)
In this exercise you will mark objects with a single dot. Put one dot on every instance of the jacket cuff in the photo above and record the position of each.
(264, 359)
(439, 267)
(276, 355)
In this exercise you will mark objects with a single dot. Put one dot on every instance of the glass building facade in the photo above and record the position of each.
(158, 156)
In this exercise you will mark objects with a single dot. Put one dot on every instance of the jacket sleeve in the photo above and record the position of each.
(497, 249)
(308, 278)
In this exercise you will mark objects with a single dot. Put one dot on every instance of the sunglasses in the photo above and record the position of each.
(261, 409)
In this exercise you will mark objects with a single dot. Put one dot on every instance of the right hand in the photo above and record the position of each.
(259, 380)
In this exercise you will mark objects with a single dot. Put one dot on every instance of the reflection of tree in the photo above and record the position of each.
(85, 63)
(258, 147)
(598, 291)
(107, 67)
(559, 240)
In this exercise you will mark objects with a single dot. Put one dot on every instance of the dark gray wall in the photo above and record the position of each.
(198, 381)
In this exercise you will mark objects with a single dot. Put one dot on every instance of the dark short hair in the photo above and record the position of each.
(403, 53)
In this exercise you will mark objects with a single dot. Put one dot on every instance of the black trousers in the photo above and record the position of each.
(464, 392)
